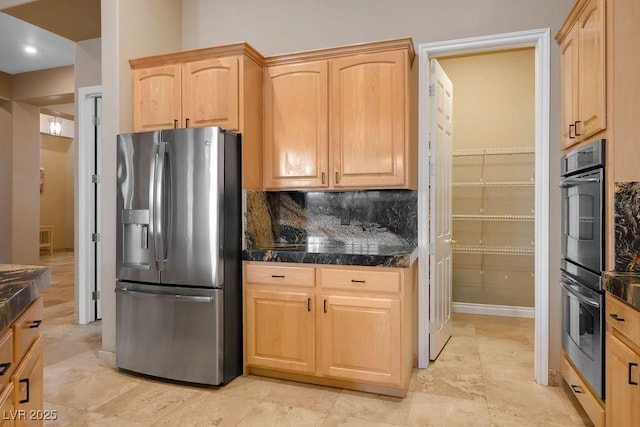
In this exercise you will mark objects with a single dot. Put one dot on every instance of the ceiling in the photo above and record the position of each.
(51, 26)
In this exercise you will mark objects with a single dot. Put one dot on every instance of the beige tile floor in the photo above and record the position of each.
(483, 377)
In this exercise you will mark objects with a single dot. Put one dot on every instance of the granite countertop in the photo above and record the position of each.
(20, 285)
(625, 286)
(369, 255)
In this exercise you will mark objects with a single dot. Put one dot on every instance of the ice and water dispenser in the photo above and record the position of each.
(135, 238)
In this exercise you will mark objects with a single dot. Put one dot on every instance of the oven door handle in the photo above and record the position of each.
(567, 287)
(570, 182)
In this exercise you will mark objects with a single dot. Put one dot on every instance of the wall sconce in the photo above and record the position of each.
(55, 126)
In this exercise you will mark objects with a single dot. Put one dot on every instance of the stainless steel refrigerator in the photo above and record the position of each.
(178, 290)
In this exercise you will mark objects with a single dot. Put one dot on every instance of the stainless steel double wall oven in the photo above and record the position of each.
(583, 190)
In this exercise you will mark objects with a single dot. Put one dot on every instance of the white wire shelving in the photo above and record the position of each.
(493, 151)
(492, 250)
(493, 184)
(509, 218)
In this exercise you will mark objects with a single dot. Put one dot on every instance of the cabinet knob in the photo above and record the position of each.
(571, 135)
(175, 124)
(323, 177)
(26, 382)
(187, 122)
(576, 389)
(337, 177)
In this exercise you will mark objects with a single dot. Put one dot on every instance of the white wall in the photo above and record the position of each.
(25, 205)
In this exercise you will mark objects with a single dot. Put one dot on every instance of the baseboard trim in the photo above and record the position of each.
(107, 358)
(493, 310)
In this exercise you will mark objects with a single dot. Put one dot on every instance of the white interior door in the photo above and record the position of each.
(440, 235)
(97, 211)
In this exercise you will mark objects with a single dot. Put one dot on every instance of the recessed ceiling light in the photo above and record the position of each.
(30, 49)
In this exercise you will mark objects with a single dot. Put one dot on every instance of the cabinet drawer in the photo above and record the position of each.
(624, 318)
(26, 329)
(279, 275)
(7, 365)
(591, 404)
(356, 280)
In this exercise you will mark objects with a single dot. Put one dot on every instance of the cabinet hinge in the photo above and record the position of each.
(95, 295)
(432, 90)
(95, 237)
(95, 120)
(95, 179)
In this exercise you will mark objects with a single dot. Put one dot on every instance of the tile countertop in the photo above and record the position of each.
(625, 286)
(366, 255)
(20, 285)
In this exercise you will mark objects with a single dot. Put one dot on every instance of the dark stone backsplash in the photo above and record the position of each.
(380, 217)
(627, 226)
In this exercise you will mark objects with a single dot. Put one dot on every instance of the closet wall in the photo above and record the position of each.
(493, 174)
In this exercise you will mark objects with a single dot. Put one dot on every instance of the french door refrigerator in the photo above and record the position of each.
(178, 290)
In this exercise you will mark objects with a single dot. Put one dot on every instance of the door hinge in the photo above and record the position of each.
(95, 120)
(432, 169)
(95, 179)
(431, 328)
(95, 237)
(95, 295)
(432, 90)
(431, 249)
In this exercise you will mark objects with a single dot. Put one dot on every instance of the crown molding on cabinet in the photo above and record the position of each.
(182, 56)
(381, 46)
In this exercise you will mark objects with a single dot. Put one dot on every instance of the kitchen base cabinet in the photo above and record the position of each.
(340, 326)
(28, 386)
(6, 406)
(622, 364)
(281, 330)
(360, 339)
(591, 404)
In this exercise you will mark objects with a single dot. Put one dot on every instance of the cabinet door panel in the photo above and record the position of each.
(569, 52)
(157, 94)
(295, 122)
(28, 385)
(591, 79)
(211, 93)
(367, 113)
(361, 339)
(623, 398)
(281, 330)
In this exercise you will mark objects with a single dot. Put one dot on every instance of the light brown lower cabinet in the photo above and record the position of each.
(349, 327)
(623, 364)
(591, 403)
(28, 384)
(21, 371)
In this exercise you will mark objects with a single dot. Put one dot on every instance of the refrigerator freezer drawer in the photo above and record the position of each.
(170, 332)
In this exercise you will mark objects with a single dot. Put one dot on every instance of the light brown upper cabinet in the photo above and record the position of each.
(215, 86)
(582, 46)
(342, 118)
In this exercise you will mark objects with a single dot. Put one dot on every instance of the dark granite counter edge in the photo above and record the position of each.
(625, 286)
(398, 260)
(19, 287)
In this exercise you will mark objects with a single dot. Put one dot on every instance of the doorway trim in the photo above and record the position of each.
(540, 40)
(83, 209)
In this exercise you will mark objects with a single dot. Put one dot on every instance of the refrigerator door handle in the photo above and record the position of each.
(170, 297)
(158, 207)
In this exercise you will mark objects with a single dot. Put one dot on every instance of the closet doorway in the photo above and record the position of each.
(493, 177)
(538, 41)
